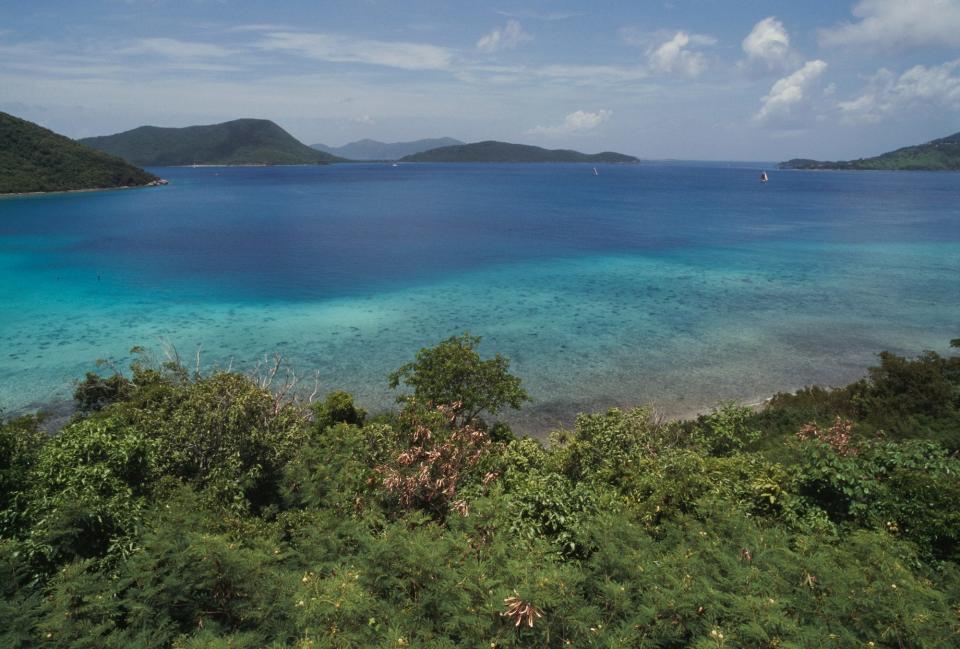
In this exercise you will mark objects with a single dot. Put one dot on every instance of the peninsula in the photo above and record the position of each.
(34, 159)
(237, 142)
(937, 155)
(493, 151)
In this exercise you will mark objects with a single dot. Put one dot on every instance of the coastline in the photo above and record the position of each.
(539, 420)
(536, 421)
(75, 191)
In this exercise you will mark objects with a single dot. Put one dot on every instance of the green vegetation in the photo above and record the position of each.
(375, 150)
(241, 141)
(491, 151)
(938, 155)
(185, 510)
(34, 159)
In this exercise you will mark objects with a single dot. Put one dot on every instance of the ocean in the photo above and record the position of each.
(677, 285)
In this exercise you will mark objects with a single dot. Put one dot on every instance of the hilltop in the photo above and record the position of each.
(375, 150)
(241, 141)
(492, 151)
(937, 155)
(35, 159)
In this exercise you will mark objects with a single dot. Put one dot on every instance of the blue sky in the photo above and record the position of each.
(703, 79)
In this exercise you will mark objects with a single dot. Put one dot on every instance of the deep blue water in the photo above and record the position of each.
(673, 284)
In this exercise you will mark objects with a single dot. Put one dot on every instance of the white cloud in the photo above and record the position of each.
(671, 53)
(917, 90)
(337, 48)
(580, 121)
(176, 49)
(507, 37)
(593, 74)
(788, 93)
(767, 47)
(898, 24)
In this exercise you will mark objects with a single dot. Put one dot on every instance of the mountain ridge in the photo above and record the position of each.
(236, 142)
(367, 149)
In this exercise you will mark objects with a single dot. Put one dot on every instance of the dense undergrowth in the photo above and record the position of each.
(187, 510)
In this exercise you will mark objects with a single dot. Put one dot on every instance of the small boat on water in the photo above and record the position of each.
(595, 173)
(763, 177)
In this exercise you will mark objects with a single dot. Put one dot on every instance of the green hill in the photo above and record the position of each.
(241, 141)
(938, 155)
(492, 151)
(35, 159)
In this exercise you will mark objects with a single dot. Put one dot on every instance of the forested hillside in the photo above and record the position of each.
(942, 154)
(35, 159)
(492, 151)
(240, 141)
(215, 510)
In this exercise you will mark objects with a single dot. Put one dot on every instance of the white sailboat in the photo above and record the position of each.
(595, 173)
(763, 177)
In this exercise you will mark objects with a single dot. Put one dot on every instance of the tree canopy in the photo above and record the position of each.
(193, 510)
(453, 373)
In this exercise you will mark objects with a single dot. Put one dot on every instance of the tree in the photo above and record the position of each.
(453, 374)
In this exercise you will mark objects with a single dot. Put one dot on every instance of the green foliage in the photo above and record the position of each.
(226, 434)
(887, 485)
(905, 398)
(34, 159)
(183, 510)
(338, 408)
(240, 141)
(96, 392)
(21, 441)
(88, 490)
(452, 373)
(939, 155)
(726, 430)
(607, 446)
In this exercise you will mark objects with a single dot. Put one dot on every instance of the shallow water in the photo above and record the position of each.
(678, 285)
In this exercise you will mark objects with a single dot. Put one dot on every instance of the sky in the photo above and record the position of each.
(683, 79)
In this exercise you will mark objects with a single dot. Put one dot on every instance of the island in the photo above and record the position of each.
(493, 151)
(375, 150)
(937, 155)
(237, 142)
(34, 159)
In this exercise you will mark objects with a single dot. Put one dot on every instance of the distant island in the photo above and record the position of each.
(237, 142)
(937, 155)
(35, 159)
(492, 151)
(375, 150)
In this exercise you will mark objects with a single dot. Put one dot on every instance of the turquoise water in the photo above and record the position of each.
(677, 285)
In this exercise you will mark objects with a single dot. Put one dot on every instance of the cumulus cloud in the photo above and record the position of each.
(670, 52)
(507, 37)
(893, 24)
(789, 93)
(767, 47)
(673, 56)
(337, 48)
(920, 88)
(580, 121)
